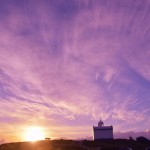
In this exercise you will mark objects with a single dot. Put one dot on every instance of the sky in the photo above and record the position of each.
(65, 64)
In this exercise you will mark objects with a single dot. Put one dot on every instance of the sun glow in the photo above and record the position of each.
(34, 134)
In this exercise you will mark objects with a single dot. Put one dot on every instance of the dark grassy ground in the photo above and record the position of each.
(75, 145)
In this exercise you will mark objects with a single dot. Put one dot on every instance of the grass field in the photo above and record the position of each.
(75, 145)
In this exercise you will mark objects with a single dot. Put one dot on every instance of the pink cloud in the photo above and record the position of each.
(90, 60)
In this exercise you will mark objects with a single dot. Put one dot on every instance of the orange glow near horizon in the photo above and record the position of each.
(34, 134)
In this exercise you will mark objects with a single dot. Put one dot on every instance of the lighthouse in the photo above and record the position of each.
(102, 132)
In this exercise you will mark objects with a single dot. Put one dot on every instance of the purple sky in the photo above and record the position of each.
(65, 63)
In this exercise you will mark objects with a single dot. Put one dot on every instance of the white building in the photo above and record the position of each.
(102, 132)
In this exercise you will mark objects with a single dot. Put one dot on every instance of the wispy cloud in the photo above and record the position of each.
(67, 61)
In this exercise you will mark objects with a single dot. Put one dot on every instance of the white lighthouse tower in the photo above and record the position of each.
(102, 132)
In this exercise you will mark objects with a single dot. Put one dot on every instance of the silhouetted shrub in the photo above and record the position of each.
(143, 139)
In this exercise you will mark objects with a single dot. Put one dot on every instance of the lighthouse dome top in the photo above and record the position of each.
(100, 123)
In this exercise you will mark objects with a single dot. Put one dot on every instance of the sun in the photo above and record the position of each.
(34, 134)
